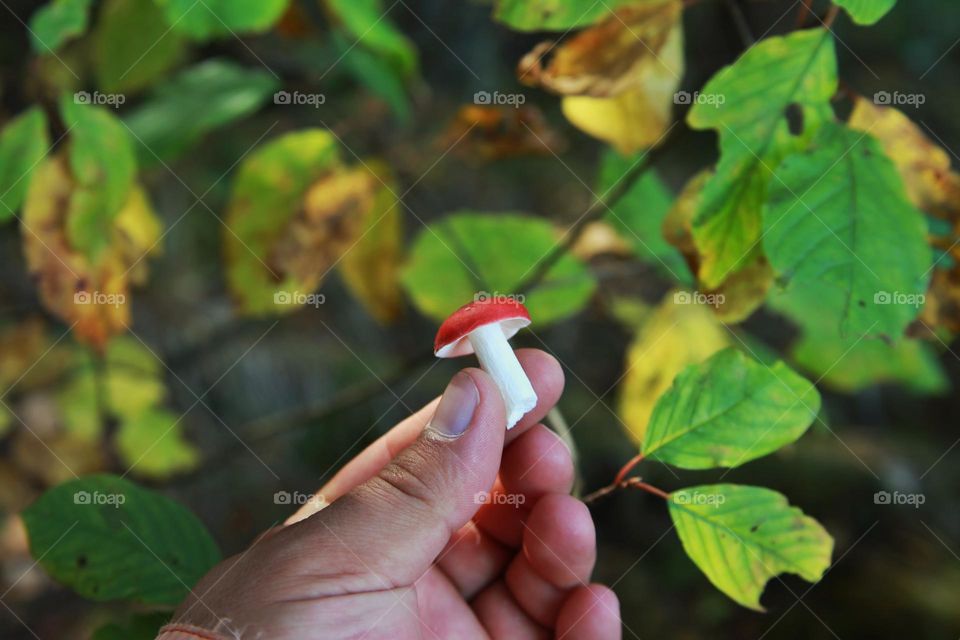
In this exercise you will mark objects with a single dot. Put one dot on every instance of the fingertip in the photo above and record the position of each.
(591, 612)
(537, 463)
(560, 540)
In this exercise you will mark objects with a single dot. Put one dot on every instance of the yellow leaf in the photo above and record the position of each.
(93, 293)
(924, 166)
(371, 267)
(609, 58)
(619, 77)
(680, 332)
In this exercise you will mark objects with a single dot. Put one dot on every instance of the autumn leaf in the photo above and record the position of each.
(607, 59)
(679, 333)
(924, 165)
(295, 213)
(491, 133)
(90, 293)
(371, 267)
(618, 77)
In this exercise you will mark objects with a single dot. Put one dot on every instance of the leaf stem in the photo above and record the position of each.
(621, 481)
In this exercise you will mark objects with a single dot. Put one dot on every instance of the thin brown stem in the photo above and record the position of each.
(806, 9)
(832, 14)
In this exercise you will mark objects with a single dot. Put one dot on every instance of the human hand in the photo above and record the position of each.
(406, 550)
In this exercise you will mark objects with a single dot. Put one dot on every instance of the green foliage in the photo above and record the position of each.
(747, 104)
(741, 536)
(552, 15)
(108, 539)
(133, 46)
(104, 166)
(639, 214)
(838, 221)
(23, 144)
(467, 252)
(866, 11)
(366, 22)
(849, 368)
(729, 410)
(218, 18)
(196, 101)
(58, 22)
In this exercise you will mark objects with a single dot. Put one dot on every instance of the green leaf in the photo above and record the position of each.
(152, 444)
(747, 106)
(367, 22)
(214, 18)
(138, 627)
(553, 15)
(467, 252)
(57, 22)
(268, 192)
(742, 536)
(866, 12)
(133, 45)
(104, 167)
(196, 101)
(638, 215)
(23, 144)
(840, 224)
(848, 368)
(109, 539)
(375, 73)
(727, 411)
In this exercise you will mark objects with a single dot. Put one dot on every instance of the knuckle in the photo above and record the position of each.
(406, 477)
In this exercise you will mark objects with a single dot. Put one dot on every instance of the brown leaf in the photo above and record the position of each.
(497, 132)
(328, 224)
(607, 59)
(599, 238)
(94, 294)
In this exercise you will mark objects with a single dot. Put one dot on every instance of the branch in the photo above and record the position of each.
(596, 211)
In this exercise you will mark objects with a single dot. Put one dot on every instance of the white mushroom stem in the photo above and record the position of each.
(497, 358)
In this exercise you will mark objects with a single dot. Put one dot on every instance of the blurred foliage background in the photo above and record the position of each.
(254, 402)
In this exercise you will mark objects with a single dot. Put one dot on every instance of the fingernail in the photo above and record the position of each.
(457, 406)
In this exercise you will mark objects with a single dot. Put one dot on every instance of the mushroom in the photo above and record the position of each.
(484, 327)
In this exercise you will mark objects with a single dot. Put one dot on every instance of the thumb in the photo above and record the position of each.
(398, 522)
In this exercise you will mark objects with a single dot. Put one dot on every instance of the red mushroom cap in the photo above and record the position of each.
(451, 340)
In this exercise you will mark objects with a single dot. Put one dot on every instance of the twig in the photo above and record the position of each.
(596, 211)
(806, 8)
(740, 21)
(832, 14)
